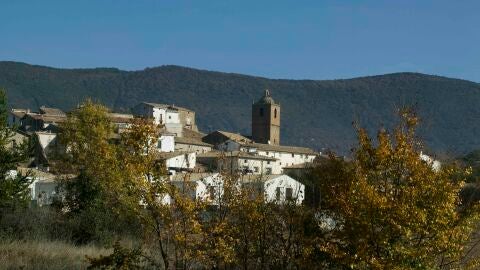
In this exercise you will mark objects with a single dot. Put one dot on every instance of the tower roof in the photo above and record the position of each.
(266, 99)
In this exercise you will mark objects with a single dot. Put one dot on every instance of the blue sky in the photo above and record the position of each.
(276, 39)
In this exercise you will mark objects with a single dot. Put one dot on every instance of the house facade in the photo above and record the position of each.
(174, 118)
(275, 188)
(237, 162)
(284, 155)
(192, 145)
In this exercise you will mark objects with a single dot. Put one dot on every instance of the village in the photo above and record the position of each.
(188, 154)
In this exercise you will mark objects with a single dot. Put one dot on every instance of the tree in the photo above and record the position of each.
(388, 209)
(14, 189)
(95, 189)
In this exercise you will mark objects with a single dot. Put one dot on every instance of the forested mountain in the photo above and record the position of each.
(318, 114)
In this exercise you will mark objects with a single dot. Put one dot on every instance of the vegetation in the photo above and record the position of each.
(387, 209)
(317, 113)
(383, 209)
(14, 190)
(44, 254)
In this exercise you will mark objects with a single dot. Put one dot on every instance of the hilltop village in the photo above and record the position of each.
(259, 158)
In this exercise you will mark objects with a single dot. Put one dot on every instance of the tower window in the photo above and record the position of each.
(275, 113)
(261, 111)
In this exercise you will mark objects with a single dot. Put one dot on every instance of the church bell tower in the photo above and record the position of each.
(266, 120)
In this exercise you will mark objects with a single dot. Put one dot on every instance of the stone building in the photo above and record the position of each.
(174, 118)
(266, 120)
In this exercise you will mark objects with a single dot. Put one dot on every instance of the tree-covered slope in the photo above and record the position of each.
(318, 114)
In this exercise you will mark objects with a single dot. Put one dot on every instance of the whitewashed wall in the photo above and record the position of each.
(166, 143)
(283, 182)
(199, 149)
(259, 166)
(183, 161)
(288, 159)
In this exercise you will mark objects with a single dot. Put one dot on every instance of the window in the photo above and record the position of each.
(211, 192)
(275, 113)
(289, 194)
(293, 155)
(278, 193)
(261, 111)
(268, 170)
(268, 162)
(159, 144)
(255, 169)
(267, 153)
(244, 161)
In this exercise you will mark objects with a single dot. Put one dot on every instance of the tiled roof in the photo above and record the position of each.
(120, 117)
(41, 175)
(190, 176)
(46, 117)
(280, 148)
(167, 155)
(192, 141)
(19, 113)
(300, 166)
(234, 136)
(188, 133)
(52, 111)
(251, 178)
(159, 105)
(239, 154)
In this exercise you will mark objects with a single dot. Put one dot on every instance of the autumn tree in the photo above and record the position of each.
(95, 189)
(389, 209)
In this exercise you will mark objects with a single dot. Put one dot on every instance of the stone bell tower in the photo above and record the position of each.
(266, 120)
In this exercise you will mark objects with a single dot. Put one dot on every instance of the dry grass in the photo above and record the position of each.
(45, 255)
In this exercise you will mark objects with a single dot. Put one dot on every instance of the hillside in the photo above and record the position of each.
(317, 114)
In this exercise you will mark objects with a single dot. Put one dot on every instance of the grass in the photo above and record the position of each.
(15, 254)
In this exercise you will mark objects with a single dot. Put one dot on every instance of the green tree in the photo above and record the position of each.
(388, 209)
(14, 191)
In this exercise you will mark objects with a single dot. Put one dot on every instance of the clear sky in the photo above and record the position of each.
(277, 39)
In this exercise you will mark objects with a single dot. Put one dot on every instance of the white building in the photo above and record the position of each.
(43, 188)
(239, 162)
(435, 164)
(166, 142)
(207, 187)
(178, 161)
(192, 145)
(276, 188)
(15, 117)
(285, 155)
(46, 144)
(162, 114)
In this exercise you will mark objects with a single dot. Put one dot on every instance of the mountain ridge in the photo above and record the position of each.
(315, 113)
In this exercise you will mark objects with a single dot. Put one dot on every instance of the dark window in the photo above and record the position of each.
(211, 191)
(277, 194)
(261, 111)
(269, 171)
(289, 194)
(275, 113)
